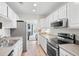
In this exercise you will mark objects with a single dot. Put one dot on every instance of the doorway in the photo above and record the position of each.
(31, 34)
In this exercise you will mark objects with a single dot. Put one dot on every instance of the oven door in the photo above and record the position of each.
(51, 50)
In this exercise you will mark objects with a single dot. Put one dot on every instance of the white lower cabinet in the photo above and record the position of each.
(64, 53)
(43, 43)
(15, 50)
(18, 48)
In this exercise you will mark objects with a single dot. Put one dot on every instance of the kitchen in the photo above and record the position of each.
(53, 26)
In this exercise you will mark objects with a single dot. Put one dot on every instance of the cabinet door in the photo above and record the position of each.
(63, 12)
(42, 23)
(56, 15)
(16, 50)
(73, 15)
(17, 17)
(52, 18)
(12, 16)
(6, 11)
(40, 40)
(46, 21)
(20, 47)
(3, 9)
(43, 43)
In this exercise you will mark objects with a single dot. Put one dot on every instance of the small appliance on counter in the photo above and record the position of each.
(62, 38)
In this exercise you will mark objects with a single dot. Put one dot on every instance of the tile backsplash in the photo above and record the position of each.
(5, 32)
(66, 30)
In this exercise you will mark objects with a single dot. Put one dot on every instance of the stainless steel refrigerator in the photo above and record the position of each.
(21, 31)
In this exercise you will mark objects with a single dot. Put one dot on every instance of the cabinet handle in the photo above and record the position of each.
(7, 11)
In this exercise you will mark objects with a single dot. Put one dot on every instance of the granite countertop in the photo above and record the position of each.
(4, 51)
(71, 48)
(48, 36)
(14, 38)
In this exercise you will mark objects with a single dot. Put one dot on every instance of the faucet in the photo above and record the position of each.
(3, 41)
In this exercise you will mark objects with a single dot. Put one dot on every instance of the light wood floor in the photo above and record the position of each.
(33, 49)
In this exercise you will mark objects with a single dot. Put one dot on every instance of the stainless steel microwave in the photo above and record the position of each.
(60, 23)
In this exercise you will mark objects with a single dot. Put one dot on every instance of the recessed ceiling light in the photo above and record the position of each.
(34, 10)
(35, 4)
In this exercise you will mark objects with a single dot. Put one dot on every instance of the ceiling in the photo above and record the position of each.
(42, 9)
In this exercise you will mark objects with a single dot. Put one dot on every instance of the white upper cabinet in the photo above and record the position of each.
(47, 24)
(11, 14)
(13, 17)
(41, 23)
(56, 14)
(51, 18)
(73, 15)
(17, 17)
(3, 9)
(44, 23)
(63, 12)
(7, 16)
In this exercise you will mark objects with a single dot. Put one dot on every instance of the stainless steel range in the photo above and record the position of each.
(62, 38)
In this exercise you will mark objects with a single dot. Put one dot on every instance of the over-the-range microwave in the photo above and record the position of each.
(60, 23)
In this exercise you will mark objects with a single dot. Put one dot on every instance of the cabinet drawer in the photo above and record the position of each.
(64, 53)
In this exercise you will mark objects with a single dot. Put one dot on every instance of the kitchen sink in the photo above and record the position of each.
(10, 43)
